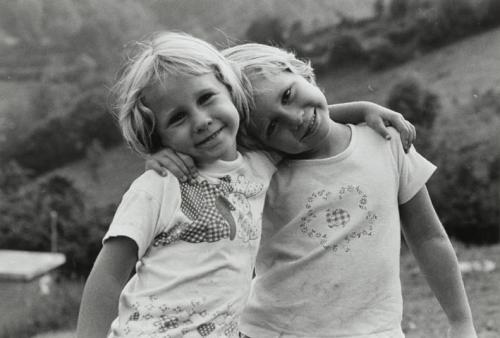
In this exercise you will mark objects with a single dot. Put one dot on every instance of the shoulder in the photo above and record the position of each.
(146, 209)
(370, 139)
(371, 145)
(364, 131)
(260, 160)
(151, 183)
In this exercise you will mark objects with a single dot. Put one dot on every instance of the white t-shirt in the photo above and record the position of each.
(328, 265)
(196, 247)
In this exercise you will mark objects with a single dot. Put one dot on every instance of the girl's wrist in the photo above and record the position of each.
(367, 108)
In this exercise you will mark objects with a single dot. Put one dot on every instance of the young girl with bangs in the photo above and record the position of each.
(191, 246)
(328, 263)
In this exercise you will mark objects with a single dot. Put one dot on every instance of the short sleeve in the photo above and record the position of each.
(145, 210)
(413, 169)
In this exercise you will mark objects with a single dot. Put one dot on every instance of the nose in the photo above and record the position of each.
(294, 117)
(201, 120)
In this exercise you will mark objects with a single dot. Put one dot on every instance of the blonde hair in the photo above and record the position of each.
(258, 60)
(155, 59)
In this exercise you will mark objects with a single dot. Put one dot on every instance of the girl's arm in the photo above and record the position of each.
(112, 269)
(181, 165)
(436, 258)
(376, 117)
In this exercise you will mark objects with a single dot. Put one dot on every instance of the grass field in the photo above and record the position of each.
(422, 318)
(455, 72)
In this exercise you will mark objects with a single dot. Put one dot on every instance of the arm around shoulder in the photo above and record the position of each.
(436, 258)
(376, 117)
(112, 269)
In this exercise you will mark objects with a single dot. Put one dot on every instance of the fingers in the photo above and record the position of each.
(192, 171)
(152, 164)
(180, 165)
(406, 130)
(409, 135)
(174, 164)
(413, 132)
(381, 127)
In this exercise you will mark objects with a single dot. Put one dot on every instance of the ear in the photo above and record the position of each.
(150, 139)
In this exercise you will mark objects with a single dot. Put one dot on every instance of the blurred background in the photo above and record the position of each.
(63, 165)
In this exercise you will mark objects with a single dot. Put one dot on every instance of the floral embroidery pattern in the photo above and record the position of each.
(335, 219)
(247, 231)
(169, 318)
(351, 189)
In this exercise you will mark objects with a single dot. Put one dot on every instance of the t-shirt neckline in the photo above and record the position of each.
(333, 159)
(221, 167)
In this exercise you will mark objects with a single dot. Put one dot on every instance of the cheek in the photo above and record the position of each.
(228, 113)
(173, 139)
(321, 97)
(235, 117)
(235, 121)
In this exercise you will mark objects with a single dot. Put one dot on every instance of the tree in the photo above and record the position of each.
(398, 8)
(267, 30)
(379, 8)
(26, 211)
(418, 104)
(346, 49)
(446, 21)
(467, 153)
(94, 154)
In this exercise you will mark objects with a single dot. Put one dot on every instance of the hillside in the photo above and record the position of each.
(455, 72)
(215, 20)
(224, 18)
(79, 44)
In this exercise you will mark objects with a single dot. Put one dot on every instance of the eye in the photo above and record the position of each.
(204, 98)
(176, 117)
(285, 98)
(271, 127)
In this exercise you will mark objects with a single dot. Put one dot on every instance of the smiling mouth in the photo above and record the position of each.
(310, 126)
(209, 138)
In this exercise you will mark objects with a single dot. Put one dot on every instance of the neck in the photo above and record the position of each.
(220, 162)
(336, 141)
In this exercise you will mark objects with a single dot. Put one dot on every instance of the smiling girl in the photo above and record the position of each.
(193, 246)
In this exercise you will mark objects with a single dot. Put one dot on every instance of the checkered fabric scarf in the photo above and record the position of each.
(199, 204)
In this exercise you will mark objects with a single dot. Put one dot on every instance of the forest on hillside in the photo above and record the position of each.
(58, 59)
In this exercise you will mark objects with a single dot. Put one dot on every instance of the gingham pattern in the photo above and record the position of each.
(338, 217)
(206, 328)
(198, 204)
(172, 235)
(166, 323)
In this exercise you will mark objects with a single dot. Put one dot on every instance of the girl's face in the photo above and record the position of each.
(196, 116)
(291, 115)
